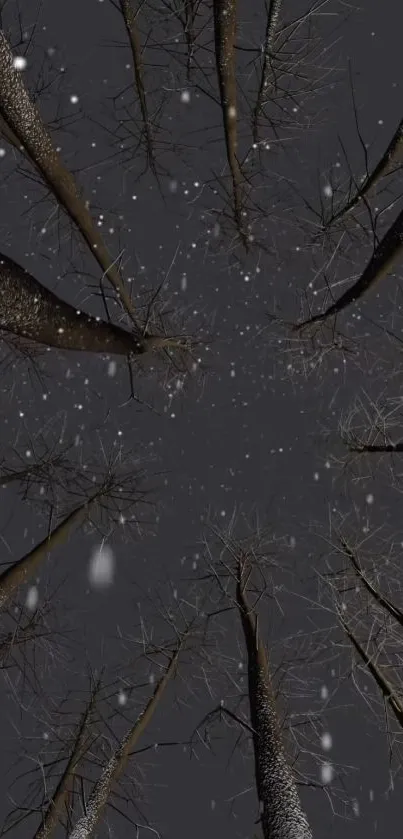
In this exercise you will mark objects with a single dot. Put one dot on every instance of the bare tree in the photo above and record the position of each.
(361, 587)
(282, 813)
(59, 799)
(112, 493)
(259, 77)
(23, 118)
(86, 825)
(386, 256)
(225, 18)
(130, 19)
(389, 163)
(231, 565)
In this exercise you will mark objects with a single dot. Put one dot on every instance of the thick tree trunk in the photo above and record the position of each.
(30, 310)
(282, 816)
(22, 118)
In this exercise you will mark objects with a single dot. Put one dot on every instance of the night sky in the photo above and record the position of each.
(252, 430)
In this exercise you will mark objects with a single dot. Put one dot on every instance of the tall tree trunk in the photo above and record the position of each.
(389, 691)
(282, 816)
(24, 121)
(98, 800)
(225, 21)
(60, 796)
(130, 21)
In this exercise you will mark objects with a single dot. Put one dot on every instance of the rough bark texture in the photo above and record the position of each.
(25, 122)
(30, 310)
(60, 796)
(98, 800)
(282, 816)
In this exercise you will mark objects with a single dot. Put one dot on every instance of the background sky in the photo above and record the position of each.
(254, 434)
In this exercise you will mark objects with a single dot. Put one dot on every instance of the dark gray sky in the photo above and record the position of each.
(251, 436)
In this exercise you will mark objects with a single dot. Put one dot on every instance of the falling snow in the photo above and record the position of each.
(101, 569)
(32, 598)
(327, 772)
